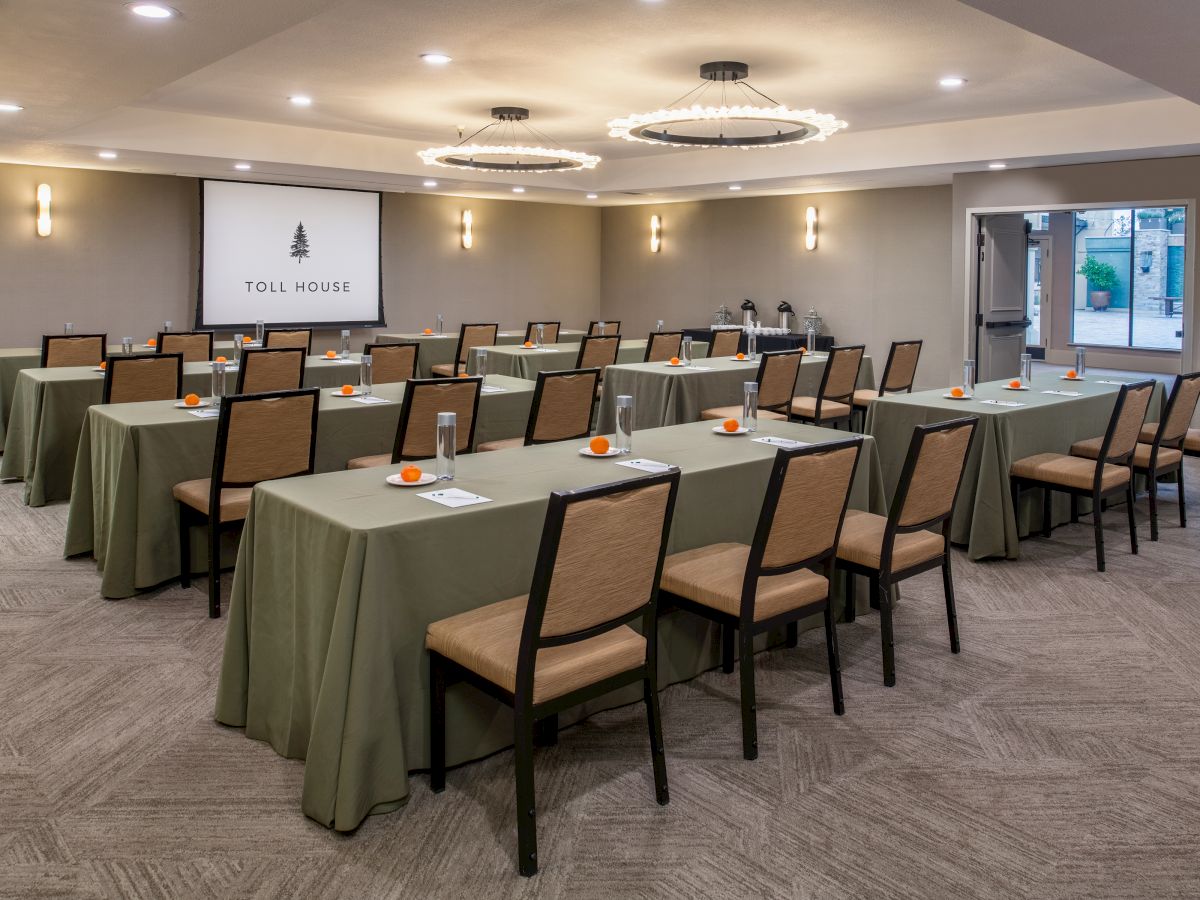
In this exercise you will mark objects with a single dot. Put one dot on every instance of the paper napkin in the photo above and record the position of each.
(1003, 402)
(209, 412)
(492, 389)
(786, 443)
(646, 465)
(1113, 382)
(454, 498)
(370, 400)
(1064, 393)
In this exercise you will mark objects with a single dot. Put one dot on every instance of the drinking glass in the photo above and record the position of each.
(446, 445)
(1080, 361)
(810, 341)
(127, 346)
(440, 324)
(540, 332)
(624, 433)
(968, 384)
(218, 381)
(69, 328)
(344, 348)
(259, 329)
(685, 351)
(750, 405)
(1026, 369)
(751, 344)
(658, 325)
(364, 375)
(167, 326)
(238, 340)
(481, 363)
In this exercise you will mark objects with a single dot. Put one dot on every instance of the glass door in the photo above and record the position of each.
(1037, 293)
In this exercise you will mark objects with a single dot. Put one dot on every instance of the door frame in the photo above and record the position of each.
(1046, 312)
(1147, 360)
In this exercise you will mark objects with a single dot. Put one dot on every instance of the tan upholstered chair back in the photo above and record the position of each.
(196, 346)
(429, 399)
(903, 368)
(607, 559)
(843, 363)
(271, 370)
(936, 475)
(778, 378)
(599, 352)
(549, 331)
(1179, 420)
(136, 379)
(391, 363)
(76, 350)
(476, 336)
(565, 408)
(811, 501)
(1130, 420)
(609, 328)
(298, 337)
(268, 438)
(725, 342)
(663, 346)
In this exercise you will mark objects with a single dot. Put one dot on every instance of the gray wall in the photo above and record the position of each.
(881, 270)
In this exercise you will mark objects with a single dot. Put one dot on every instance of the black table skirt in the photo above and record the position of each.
(766, 342)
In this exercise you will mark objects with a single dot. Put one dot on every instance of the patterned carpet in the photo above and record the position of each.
(1058, 756)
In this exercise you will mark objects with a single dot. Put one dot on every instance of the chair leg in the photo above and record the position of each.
(658, 756)
(873, 583)
(437, 724)
(1133, 544)
(1074, 509)
(851, 608)
(185, 547)
(749, 710)
(1098, 525)
(793, 635)
(951, 611)
(1047, 503)
(214, 569)
(526, 810)
(1152, 488)
(1182, 502)
(835, 663)
(545, 731)
(889, 645)
(1014, 488)
(728, 633)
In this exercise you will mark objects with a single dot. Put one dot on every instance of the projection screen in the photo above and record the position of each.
(289, 256)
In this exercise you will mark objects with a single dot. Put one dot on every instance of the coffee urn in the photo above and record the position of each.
(785, 316)
(749, 313)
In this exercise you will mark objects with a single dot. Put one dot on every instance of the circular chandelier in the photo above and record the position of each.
(745, 126)
(500, 146)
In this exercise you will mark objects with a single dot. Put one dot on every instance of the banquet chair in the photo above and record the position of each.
(776, 379)
(907, 542)
(60, 350)
(1159, 450)
(724, 342)
(1105, 476)
(610, 328)
(549, 331)
(598, 352)
(196, 346)
(133, 379)
(416, 434)
(391, 363)
(288, 337)
(899, 373)
(276, 369)
(561, 410)
(568, 640)
(783, 576)
(663, 345)
(833, 403)
(260, 437)
(469, 337)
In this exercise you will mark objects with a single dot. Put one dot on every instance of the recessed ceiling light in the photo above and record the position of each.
(107, 154)
(300, 100)
(735, 187)
(593, 196)
(952, 81)
(242, 167)
(518, 190)
(152, 10)
(430, 183)
(435, 59)
(10, 107)
(997, 165)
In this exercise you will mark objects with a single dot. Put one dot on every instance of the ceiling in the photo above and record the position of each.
(195, 94)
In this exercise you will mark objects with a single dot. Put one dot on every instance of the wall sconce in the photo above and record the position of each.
(468, 229)
(43, 210)
(1145, 259)
(810, 232)
(655, 234)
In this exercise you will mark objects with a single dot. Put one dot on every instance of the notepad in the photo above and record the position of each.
(1003, 402)
(1119, 383)
(1064, 393)
(646, 465)
(209, 412)
(492, 389)
(454, 498)
(369, 400)
(785, 443)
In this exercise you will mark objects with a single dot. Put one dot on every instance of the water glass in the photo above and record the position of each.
(344, 348)
(446, 445)
(624, 433)
(540, 335)
(481, 362)
(218, 381)
(601, 328)
(1080, 361)
(810, 342)
(685, 351)
(658, 325)
(259, 328)
(439, 324)
(1026, 369)
(69, 328)
(127, 346)
(167, 326)
(238, 340)
(364, 375)
(968, 384)
(750, 405)
(751, 344)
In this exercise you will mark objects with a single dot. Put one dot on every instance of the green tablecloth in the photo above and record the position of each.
(1047, 423)
(338, 576)
(132, 454)
(49, 405)
(438, 349)
(663, 395)
(519, 362)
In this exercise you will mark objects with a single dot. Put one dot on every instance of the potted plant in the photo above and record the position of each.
(1153, 218)
(1101, 278)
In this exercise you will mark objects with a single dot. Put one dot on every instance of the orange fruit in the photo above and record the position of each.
(247, 340)
(192, 399)
(731, 425)
(410, 473)
(598, 445)
(347, 389)
(741, 356)
(1071, 373)
(1015, 383)
(329, 354)
(674, 360)
(221, 359)
(103, 365)
(956, 392)
(527, 344)
(464, 374)
(151, 342)
(427, 331)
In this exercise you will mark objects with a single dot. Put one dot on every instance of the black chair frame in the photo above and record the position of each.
(583, 349)
(847, 400)
(367, 348)
(46, 338)
(462, 337)
(251, 352)
(531, 329)
(410, 387)
(266, 342)
(113, 361)
(158, 344)
(592, 327)
(1154, 471)
(887, 372)
(542, 378)
(762, 371)
(660, 334)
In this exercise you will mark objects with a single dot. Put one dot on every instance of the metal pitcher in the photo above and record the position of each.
(749, 313)
(785, 316)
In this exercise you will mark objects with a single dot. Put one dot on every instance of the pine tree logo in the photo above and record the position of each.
(300, 243)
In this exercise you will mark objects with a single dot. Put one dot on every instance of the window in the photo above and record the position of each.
(1129, 277)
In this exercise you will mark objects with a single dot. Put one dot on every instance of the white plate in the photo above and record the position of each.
(746, 359)
(200, 405)
(97, 369)
(950, 396)
(720, 429)
(426, 478)
(675, 365)
(587, 451)
(1009, 387)
(337, 392)
(1076, 378)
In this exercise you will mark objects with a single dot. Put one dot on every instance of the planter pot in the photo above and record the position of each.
(1158, 223)
(1178, 227)
(1099, 299)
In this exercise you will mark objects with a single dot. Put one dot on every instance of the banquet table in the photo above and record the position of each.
(665, 395)
(521, 362)
(132, 454)
(438, 349)
(768, 342)
(984, 520)
(338, 576)
(49, 406)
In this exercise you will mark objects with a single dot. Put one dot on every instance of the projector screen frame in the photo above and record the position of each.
(380, 320)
